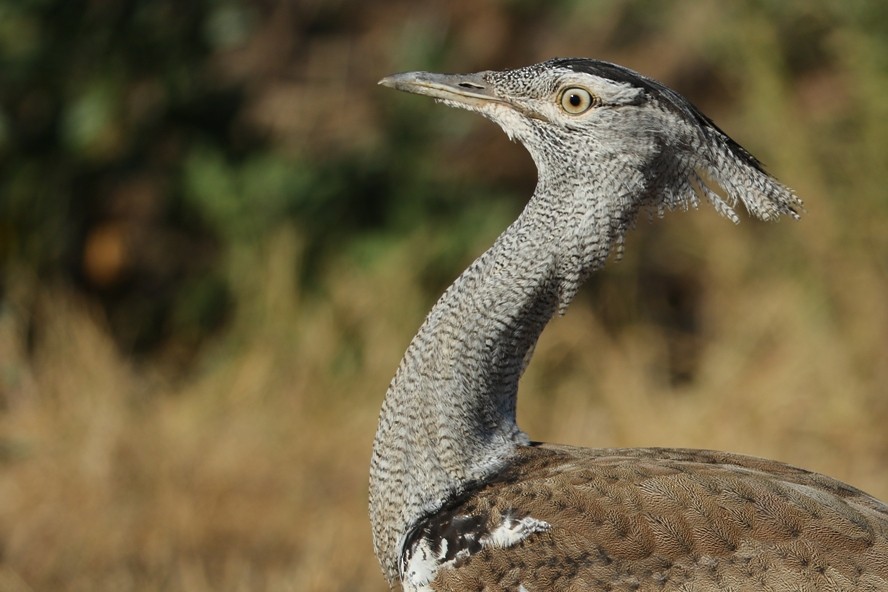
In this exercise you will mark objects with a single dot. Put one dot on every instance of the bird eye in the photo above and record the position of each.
(576, 100)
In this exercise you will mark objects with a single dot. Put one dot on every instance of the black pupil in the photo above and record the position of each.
(575, 100)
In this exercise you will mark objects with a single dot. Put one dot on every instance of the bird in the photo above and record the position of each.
(460, 498)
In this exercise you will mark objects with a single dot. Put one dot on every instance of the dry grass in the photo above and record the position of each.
(251, 475)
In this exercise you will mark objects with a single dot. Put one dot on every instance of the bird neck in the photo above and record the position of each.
(448, 419)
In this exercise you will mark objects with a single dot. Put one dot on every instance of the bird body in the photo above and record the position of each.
(461, 499)
(652, 519)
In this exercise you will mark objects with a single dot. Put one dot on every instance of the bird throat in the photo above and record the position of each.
(448, 419)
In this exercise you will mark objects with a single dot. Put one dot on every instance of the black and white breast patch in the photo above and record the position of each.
(447, 539)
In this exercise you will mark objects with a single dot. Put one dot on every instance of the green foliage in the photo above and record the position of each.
(144, 118)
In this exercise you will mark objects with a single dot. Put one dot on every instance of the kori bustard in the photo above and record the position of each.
(461, 499)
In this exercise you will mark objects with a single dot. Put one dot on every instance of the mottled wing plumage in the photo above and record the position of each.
(656, 519)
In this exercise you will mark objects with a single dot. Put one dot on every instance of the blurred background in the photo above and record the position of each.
(218, 235)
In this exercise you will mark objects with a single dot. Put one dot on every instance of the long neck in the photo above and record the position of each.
(448, 418)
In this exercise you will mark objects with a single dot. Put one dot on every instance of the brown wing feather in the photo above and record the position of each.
(657, 519)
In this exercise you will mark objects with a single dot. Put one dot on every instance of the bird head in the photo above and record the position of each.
(608, 142)
(578, 117)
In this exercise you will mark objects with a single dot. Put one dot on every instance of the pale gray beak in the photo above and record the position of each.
(470, 90)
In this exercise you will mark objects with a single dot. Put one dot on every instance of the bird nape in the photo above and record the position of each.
(461, 499)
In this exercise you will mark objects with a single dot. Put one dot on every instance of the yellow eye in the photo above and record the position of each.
(576, 100)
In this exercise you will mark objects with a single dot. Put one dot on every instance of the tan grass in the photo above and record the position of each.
(251, 475)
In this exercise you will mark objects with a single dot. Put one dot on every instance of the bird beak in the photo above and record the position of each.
(466, 90)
